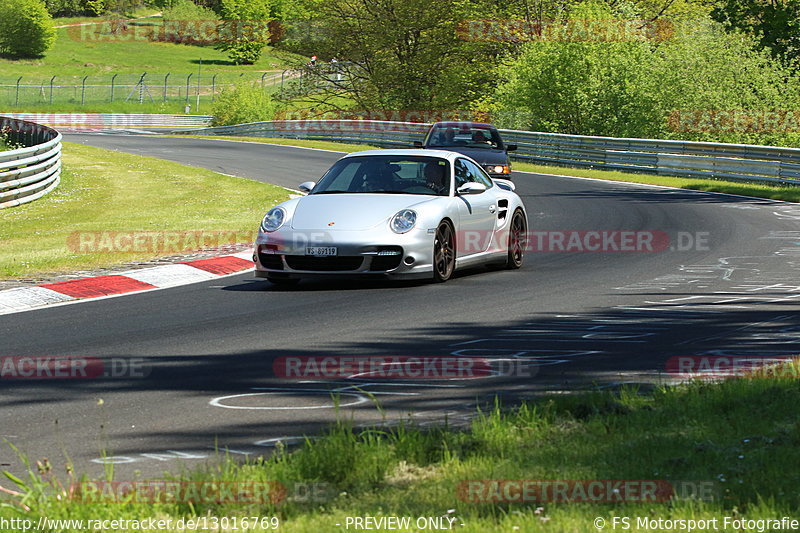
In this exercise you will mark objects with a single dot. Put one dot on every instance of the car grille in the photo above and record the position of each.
(324, 264)
(272, 261)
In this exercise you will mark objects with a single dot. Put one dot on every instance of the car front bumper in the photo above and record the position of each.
(283, 254)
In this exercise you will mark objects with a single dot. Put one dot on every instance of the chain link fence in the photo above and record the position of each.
(144, 88)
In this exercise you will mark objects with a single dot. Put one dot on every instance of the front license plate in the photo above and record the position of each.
(321, 251)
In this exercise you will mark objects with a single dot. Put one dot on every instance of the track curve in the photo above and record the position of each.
(565, 320)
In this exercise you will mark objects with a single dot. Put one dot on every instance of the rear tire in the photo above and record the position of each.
(444, 252)
(517, 238)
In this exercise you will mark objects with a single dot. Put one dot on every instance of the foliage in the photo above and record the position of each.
(26, 29)
(409, 52)
(776, 24)
(246, 22)
(186, 10)
(243, 103)
(635, 88)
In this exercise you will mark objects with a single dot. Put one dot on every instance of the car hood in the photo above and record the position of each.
(351, 211)
(484, 156)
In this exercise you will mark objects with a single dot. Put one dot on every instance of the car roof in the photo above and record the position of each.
(481, 125)
(442, 154)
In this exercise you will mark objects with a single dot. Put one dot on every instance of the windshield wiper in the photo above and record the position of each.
(332, 192)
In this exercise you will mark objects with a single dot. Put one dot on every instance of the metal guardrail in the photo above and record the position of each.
(28, 173)
(691, 159)
(79, 122)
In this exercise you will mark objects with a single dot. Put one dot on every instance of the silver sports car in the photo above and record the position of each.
(394, 213)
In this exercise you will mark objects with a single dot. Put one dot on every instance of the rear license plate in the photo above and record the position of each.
(321, 251)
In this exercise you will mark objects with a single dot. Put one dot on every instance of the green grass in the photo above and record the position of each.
(77, 55)
(739, 437)
(787, 193)
(105, 191)
(77, 52)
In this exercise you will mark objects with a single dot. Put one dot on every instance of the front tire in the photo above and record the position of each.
(444, 252)
(517, 238)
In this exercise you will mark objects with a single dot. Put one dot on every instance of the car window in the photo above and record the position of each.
(467, 171)
(387, 174)
(454, 135)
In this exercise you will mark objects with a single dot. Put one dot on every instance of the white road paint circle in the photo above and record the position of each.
(217, 402)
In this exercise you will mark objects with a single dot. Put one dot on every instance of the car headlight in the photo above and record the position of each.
(273, 219)
(403, 221)
(498, 169)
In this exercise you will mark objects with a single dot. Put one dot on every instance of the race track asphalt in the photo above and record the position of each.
(727, 284)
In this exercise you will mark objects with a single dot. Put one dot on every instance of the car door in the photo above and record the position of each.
(477, 213)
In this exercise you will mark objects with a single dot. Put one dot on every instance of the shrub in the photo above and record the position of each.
(243, 103)
(26, 28)
(248, 22)
(187, 10)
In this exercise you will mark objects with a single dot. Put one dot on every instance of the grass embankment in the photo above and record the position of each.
(83, 51)
(775, 192)
(736, 439)
(105, 191)
(93, 51)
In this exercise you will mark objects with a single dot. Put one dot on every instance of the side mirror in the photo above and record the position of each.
(511, 147)
(471, 188)
(504, 184)
(306, 186)
(418, 144)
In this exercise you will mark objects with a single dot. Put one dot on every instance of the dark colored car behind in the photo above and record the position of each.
(480, 141)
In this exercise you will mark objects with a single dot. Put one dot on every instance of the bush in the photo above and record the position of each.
(241, 104)
(64, 8)
(638, 88)
(26, 29)
(187, 10)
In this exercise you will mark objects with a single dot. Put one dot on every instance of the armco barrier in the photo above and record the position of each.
(30, 172)
(111, 122)
(692, 159)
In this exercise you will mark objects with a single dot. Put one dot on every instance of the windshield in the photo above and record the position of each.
(464, 135)
(387, 175)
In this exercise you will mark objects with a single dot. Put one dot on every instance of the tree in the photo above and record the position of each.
(245, 29)
(26, 29)
(407, 53)
(776, 24)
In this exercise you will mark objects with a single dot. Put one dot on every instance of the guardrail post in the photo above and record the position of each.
(114, 77)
